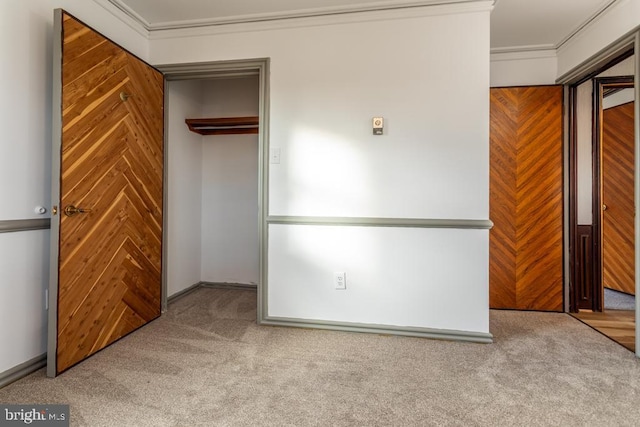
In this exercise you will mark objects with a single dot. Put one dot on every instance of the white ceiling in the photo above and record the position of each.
(540, 23)
(515, 24)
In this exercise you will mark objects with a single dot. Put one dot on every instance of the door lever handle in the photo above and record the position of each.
(71, 210)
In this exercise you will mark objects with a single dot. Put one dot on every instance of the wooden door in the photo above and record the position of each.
(525, 202)
(617, 172)
(108, 232)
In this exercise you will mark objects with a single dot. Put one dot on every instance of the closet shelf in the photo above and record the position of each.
(224, 125)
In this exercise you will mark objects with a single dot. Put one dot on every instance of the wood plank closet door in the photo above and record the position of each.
(111, 190)
(525, 244)
(617, 169)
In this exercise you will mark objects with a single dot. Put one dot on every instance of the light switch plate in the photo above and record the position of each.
(274, 156)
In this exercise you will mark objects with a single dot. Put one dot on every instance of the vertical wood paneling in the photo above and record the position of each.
(111, 163)
(618, 230)
(525, 270)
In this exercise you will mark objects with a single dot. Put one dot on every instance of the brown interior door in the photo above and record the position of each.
(525, 202)
(618, 210)
(107, 235)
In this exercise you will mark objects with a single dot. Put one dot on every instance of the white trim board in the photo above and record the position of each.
(330, 12)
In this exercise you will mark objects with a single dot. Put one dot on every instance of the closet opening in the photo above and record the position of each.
(214, 177)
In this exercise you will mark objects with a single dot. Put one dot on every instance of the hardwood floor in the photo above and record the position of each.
(619, 325)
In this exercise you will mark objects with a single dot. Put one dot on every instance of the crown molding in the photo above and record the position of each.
(518, 53)
(114, 7)
(540, 48)
(596, 16)
(383, 5)
(321, 20)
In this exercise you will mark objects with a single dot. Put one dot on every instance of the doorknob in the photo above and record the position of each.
(71, 210)
(604, 207)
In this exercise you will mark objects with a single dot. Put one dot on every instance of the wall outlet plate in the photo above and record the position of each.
(340, 280)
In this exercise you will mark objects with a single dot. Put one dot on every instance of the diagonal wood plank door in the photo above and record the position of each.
(111, 171)
(525, 203)
(618, 229)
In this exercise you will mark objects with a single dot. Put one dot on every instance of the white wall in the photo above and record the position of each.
(625, 96)
(230, 239)
(26, 29)
(621, 18)
(524, 68)
(23, 319)
(410, 285)
(184, 186)
(584, 143)
(327, 82)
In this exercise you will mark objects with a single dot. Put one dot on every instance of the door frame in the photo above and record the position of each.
(56, 131)
(218, 69)
(577, 270)
(598, 85)
(587, 70)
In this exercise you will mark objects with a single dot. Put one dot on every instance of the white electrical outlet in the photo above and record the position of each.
(340, 280)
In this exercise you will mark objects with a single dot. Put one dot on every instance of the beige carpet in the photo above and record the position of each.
(206, 363)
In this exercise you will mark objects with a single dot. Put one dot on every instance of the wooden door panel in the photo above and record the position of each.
(525, 269)
(618, 229)
(503, 198)
(539, 207)
(109, 267)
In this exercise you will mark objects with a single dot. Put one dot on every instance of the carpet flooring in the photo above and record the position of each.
(206, 363)
(614, 300)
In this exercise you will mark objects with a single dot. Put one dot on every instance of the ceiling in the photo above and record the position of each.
(515, 24)
(531, 24)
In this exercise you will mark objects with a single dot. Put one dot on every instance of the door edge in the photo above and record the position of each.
(56, 143)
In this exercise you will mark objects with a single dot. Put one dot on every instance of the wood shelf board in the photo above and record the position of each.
(224, 125)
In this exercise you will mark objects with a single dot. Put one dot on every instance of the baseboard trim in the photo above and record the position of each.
(22, 370)
(408, 331)
(211, 285)
(234, 286)
(182, 293)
